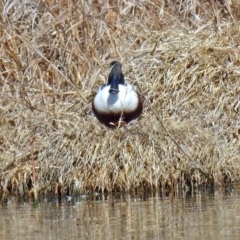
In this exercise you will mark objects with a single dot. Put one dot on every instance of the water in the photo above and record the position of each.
(201, 216)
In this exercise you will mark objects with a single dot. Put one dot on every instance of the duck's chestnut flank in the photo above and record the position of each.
(117, 100)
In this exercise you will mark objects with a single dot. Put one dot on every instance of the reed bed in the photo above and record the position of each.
(182, 56)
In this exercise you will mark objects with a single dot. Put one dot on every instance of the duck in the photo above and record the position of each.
(117, 101)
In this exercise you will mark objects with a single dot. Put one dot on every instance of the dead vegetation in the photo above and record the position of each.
(182, 55)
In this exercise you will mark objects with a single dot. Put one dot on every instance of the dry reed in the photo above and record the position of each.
(183, 56)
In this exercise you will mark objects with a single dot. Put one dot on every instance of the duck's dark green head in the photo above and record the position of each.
(115, 77)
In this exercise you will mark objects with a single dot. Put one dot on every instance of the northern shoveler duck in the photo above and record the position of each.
(117, 101)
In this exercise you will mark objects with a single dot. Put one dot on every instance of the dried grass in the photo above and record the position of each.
(182, 55)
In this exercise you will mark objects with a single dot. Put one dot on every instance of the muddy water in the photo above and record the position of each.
(200, 216)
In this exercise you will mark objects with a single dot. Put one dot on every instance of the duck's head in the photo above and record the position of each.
(115, 77)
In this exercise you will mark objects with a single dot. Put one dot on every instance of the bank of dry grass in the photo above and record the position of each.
(183, 58)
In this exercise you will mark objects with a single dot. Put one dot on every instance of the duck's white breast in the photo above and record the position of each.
(125, 100)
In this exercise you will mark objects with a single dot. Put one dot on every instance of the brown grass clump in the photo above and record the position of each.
(183, 56)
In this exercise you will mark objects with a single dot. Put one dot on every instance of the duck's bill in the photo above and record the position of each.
(113, 90)
(114, 85)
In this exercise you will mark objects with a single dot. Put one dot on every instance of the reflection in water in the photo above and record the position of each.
(200, 217)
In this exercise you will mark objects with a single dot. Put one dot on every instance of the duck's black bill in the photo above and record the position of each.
(114, 86)
(113, 91)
